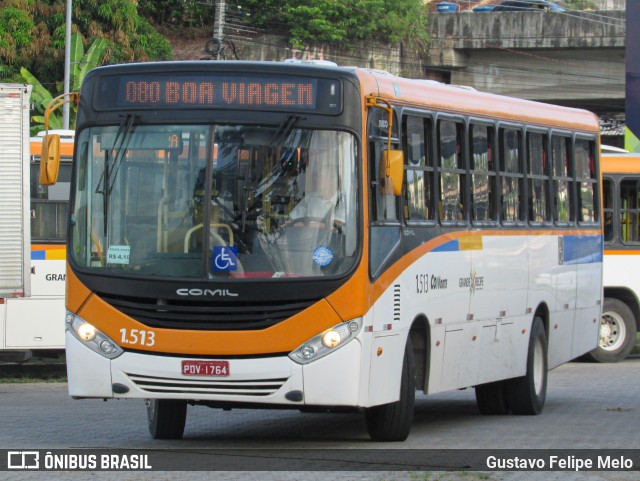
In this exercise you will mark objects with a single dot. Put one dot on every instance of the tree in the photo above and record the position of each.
(340, 21)
(32, 35)
(81, 64)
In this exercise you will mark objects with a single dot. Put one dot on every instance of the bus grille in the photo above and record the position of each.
(218, 316)
(259, 387)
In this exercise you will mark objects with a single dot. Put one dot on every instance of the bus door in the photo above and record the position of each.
(385, 248)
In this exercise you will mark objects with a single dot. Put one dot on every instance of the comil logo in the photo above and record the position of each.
(23, 460)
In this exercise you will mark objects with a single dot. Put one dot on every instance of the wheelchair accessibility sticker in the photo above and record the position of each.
(224, 258)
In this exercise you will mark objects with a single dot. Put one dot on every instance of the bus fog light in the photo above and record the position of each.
(86, 332)
(326, 342)
(307, 351)
(107, 347)
(331, 338)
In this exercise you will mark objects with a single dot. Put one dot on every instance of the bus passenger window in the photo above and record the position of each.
(511, 175)
(560, 151)
(608, 189)
(630, 211)
(451, 170)
(483, 174)
(538, 173)
(586, 179)
(418, 170)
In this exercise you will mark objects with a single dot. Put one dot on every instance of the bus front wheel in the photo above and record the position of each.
(166, 417)
(617, 332)
(392, 422)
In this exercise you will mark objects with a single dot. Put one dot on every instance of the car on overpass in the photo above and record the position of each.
(527, 5)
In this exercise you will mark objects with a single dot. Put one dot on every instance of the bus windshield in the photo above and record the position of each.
(215, 201)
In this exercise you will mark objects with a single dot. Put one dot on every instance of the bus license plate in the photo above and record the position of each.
(205, 368)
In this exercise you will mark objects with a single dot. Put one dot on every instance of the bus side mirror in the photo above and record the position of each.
(393, 165)
(50, 159)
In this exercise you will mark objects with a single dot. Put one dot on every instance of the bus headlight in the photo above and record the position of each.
(326, 342)
(92, 337)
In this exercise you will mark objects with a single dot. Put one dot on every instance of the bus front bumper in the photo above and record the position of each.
(333, 380)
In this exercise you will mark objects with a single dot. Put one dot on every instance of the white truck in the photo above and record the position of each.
(32, 237)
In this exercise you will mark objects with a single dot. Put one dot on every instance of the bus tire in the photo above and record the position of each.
(527, 394)
(491, 398)
(392, 422)
(617, 335)
(166, 417)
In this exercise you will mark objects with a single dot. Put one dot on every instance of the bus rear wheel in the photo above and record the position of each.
(392, 422)
(167, 418)
(617, 332)
(527, 394)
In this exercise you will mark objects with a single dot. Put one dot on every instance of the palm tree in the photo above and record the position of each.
(81, 63)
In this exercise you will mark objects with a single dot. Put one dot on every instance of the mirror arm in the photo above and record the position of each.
(373, 101)
(58, 102)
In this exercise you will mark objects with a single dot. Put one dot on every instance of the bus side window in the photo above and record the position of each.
(561, 185)
(608, 187)
(630, 211)
(419, 170)
(383, 201)
(452, 170)
(585, 151)
(483, 174)
(511, 177)
(538, 177)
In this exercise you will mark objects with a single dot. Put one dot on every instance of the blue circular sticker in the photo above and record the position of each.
(322, 256)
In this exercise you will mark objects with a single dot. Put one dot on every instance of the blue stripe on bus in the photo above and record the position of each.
(451, 246)
(582, 249)
(38, 255)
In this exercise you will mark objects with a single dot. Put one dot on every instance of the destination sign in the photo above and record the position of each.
(206, 90)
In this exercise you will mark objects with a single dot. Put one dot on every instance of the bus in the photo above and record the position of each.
(621, 308)
(315, 237)
(34, 323)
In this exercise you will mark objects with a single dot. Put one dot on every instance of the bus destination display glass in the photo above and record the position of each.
(158, 90)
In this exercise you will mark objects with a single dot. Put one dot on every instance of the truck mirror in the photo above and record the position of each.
(50, 159)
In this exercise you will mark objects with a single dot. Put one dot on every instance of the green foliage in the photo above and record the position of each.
(81, 64)
(580, 4)
(345, 21)
(178, 13)
(32, 35)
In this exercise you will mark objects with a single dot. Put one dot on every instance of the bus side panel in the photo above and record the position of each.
(589, 293)
(554, 284)
(499, 302)
(431, 288)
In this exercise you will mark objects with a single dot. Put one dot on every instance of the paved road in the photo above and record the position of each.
(589, 406)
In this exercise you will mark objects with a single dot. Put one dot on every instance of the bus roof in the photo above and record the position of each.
(429, 94)
(620, 163)
(468, 101)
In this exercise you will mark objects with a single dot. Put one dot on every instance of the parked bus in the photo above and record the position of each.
(621, 309)
(33, 237)
(315, 237)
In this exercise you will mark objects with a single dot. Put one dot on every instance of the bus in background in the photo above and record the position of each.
(621, 309)
(314, 237)
(35, 322)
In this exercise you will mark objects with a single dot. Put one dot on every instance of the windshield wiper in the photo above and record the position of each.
(118, 151)
(283, 130)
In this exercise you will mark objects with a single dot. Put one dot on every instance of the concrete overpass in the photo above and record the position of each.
(571, 58)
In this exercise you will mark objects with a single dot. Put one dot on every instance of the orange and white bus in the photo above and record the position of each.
(309, 236)
(621, 308)
(35, 322)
